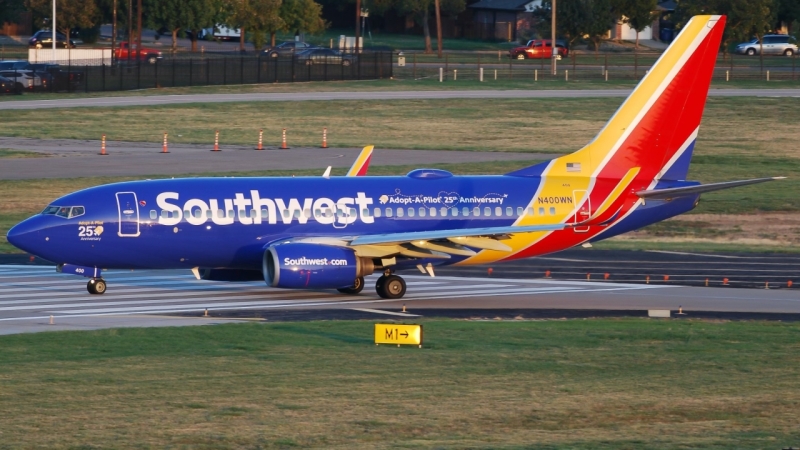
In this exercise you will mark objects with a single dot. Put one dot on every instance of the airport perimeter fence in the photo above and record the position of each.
(588, 66)
(221, 70)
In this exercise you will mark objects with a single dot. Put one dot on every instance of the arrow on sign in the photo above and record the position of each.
(404, 334)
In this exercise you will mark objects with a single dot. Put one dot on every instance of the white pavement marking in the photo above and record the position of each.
(174, 292)
(390, 313)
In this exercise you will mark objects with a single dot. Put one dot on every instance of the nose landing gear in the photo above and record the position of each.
(96, 286)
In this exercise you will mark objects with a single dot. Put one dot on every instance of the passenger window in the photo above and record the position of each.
(541, 211)
(353, 212)
(411, 212)
(388, 212)
(198, 214)
(400, 212)
(509, 211)
(498, 211)
(530, 211)
(242, 213)
(286, 213)
(187, 213)
(307, 213)
(454, 212)
(296, 214)
(377, 212)
(422, 211)
(487, 211)
(164, 214)
(520, 211)
(465, 211)
(153, 214)
(264, 214)
(444, 211)
(476, 211)
(433, 212)
(209, 214)
(230, 213)
(365, 212)
(552, 211)
(77, 211)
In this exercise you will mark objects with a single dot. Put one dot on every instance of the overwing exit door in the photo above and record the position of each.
(128, 214)
(585, 210)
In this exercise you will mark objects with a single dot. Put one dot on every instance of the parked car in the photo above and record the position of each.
(325, 56)
(145, 54)
(287, 48)
(220, 32)
(538, 49)
(25, 79)
(774, 44)
(57, 79)
(14, 65)
(44, 39)
(8, 86)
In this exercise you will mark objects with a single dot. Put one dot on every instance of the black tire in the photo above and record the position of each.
(521, 56)
(273, 55)
(309, 62)
(96, 286)
(38, 45)
(392, 287)
(788, 52)
(357, 287)
(152, 59)
(751, 52)
(346, 62)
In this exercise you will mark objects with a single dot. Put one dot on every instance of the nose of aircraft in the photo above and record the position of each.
(23, 234)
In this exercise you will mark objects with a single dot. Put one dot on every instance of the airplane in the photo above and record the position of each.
(330, 232)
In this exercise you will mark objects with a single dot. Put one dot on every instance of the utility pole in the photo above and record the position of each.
(130, 28)
(358, 23)
(553, 38)
(438, 26)
(54, 31)
(114, 30)
(139, 29)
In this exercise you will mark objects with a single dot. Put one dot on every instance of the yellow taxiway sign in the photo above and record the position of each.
(394, 333)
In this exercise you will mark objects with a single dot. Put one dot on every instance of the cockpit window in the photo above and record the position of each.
(77, 211)
(66, 212)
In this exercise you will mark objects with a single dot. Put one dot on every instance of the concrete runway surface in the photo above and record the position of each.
(152, 100)
(78, 158)
(30, 294)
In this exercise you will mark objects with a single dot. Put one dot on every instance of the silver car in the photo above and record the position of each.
(774, 44)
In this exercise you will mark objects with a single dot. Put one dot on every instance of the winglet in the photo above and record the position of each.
(361, 165)
(327, 173)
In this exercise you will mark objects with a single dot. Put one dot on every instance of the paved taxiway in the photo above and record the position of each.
(29, 295)
(151, 100)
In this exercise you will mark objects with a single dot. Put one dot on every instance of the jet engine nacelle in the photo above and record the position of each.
(313, 266)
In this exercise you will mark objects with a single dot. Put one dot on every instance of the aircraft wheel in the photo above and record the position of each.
(357, 287)
(391, 287)
(96, 286)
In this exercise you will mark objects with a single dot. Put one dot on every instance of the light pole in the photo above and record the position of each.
(553, 38)
(54, 31)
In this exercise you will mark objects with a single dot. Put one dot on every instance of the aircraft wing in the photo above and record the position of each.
(670, 193)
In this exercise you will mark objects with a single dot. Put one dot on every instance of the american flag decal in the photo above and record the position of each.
(573, 167)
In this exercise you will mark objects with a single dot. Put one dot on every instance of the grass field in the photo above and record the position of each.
(583, 384)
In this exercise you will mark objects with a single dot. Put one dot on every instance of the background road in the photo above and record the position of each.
(150, 100)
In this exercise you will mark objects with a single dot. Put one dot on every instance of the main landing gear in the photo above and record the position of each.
(358, 285)
(96, 286)
(390, 286)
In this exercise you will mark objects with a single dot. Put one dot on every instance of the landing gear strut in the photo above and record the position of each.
(390, 286)
(358, 285)
(96, 286)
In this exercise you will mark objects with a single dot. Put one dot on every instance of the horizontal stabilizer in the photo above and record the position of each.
(670, 193)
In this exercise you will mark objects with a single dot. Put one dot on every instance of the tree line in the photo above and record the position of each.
(261, 20)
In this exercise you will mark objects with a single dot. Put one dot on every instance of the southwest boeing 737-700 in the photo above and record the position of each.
(331, 232)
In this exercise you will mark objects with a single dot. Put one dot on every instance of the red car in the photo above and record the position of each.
(147, 54)
(538, 49)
